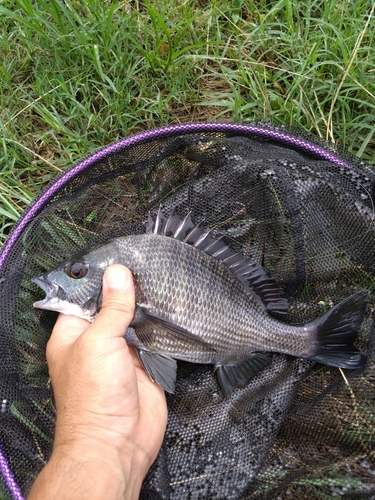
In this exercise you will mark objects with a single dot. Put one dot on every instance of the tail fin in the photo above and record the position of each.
(337, 331)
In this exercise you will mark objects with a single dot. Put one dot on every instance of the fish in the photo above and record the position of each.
(199, 301)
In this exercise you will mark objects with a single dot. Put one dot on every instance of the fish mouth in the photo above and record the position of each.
(51, 290)
(55, 300)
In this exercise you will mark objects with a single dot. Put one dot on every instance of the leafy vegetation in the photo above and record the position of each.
(76, 75)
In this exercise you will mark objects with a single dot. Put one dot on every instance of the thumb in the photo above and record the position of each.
(118, 302)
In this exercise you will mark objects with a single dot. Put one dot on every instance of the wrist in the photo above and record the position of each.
(88, 470)
(81, 439)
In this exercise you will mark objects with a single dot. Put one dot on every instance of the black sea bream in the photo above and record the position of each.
(198, 301)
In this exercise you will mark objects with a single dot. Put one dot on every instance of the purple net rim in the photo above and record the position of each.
(9, 479)
(258, 130)
(250, 129)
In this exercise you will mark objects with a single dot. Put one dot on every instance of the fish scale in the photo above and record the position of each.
(199, 301)
(215, 305)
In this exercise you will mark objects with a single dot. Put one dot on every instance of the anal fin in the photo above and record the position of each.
(232, 376)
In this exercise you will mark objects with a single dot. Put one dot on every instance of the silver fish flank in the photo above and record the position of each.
(198, 301)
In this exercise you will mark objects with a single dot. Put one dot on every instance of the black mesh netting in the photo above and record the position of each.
(300, 207)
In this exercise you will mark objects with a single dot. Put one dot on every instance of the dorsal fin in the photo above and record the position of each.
(250, 273)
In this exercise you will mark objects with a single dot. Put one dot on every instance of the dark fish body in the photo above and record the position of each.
(201, 294)
(198, 301)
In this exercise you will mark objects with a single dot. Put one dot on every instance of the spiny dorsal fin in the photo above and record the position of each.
(251, 274)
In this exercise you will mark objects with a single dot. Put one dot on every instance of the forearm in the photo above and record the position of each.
(77, 472)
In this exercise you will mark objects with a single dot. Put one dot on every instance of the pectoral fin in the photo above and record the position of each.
(232, 376)
(148, 326)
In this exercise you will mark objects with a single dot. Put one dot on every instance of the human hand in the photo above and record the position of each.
(111, 417)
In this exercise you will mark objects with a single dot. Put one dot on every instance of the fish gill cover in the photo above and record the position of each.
(297, 206)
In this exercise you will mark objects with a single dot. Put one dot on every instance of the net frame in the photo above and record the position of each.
(280, 134)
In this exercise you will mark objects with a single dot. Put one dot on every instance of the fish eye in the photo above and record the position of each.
(77, 270)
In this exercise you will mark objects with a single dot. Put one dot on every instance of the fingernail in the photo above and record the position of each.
(116, 276)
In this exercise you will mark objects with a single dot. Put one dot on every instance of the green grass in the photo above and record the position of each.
(76, 75)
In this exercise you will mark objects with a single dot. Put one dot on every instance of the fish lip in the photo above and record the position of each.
(50, 289)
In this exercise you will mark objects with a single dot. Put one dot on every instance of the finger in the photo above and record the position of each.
(69, 327)
(118, 302)
(66, 330)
